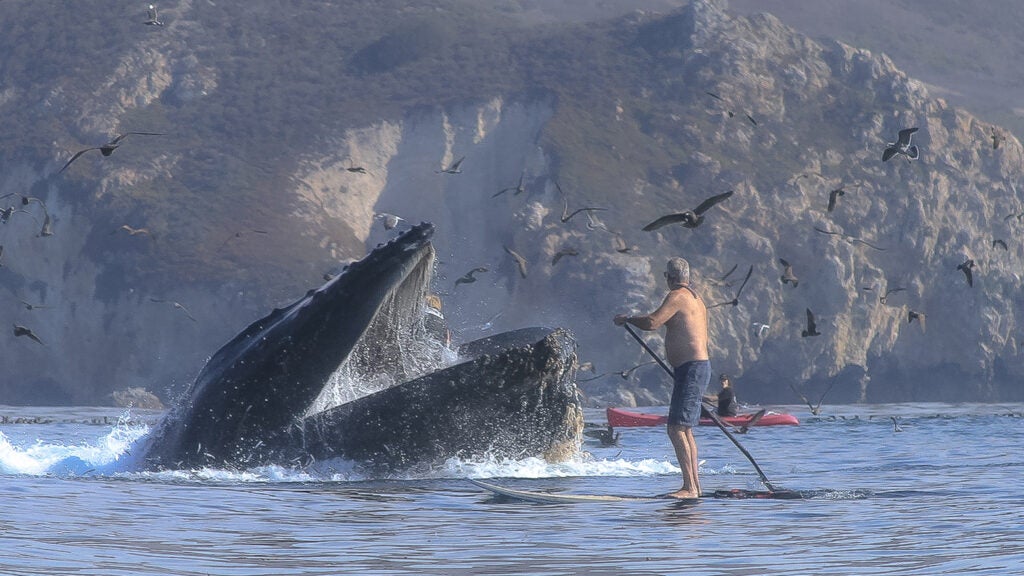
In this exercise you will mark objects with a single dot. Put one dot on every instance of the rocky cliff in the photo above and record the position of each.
(243, 215)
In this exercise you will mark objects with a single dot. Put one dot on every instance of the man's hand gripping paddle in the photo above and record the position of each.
(710, 410)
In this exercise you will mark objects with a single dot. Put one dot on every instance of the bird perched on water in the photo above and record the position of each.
(812, 328)
(689, 218)
(564, 252)
(735, 301)
(468, 277)
(453, 168)
(968, 269)
(902, 146)
(520, 261)
(390, 221)
(151, 17)
(108, 148)
(919, 316)
(23, 331)
(177, 305)
(787, 273)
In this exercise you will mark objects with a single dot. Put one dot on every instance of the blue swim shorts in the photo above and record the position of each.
(691, 381)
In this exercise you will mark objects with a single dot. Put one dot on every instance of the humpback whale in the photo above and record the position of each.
(269, 396)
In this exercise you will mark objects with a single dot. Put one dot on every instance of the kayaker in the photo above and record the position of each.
(685, 318)
(727, 404)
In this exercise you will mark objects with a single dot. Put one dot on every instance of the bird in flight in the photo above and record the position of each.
(564, 252)
(849, 237)
(888, 291)
(356, 169)
(902, 146)
(517, 189)
(997, 139)
(621, 247)
(23, 331)
(730, 112)
(968, 269)
(468, 277)
(453, 168)
(999, 242)
(30, 306)
(177, 305)
(746, 426)
(133, 231)
(736, 300)
(390, 221)
(914, 315)
(689, 218)
(815, 409)
(520, 261)
(761, 329)
(151, 17)
(787, 273)
(812, 328)
(108, 148)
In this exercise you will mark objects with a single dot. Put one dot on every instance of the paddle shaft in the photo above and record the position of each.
(710, 409)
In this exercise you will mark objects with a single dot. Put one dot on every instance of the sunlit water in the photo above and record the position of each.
(943, 496)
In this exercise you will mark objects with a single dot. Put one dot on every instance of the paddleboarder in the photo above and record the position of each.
(684, 315)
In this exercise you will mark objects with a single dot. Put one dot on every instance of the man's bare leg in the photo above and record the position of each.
(686, 454)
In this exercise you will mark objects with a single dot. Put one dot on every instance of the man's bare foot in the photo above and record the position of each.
(683, 494)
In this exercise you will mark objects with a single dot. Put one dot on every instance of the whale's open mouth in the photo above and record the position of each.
(359, 335)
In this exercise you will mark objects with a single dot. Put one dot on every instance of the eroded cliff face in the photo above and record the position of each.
(820, 114)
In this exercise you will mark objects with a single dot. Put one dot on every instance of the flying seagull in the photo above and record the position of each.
(849, 237)
(997, 139)
(356, 169)
(761, 329)
(517, 189)
(453, 168)
(999, 242)
(23, 331)
(30, 306)
(919, 316)
(968, 269)
(108, 148)
(730, 112)
(736, 300)
(566, 215)
(689, 218)
(132, 231)
(902, 146)
(151, 17)
(564, 252)
(621, 247)
(607, 436)
(520, 261)
(176, 305)
(815, 410)
(743, 429)
(888, 291)
(787, 273)
(833, 195)
(468, 277)
(812, 328)
(390, 221)
(722, 281)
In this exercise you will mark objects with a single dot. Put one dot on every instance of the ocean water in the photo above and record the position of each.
(942, 496)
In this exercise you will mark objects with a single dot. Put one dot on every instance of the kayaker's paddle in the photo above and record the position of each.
(707, 406)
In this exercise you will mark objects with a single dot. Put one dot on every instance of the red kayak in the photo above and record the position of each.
(619, 418)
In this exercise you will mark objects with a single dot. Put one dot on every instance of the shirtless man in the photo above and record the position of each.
(686, 347)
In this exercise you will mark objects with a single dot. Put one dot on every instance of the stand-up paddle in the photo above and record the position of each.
(708, 407)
